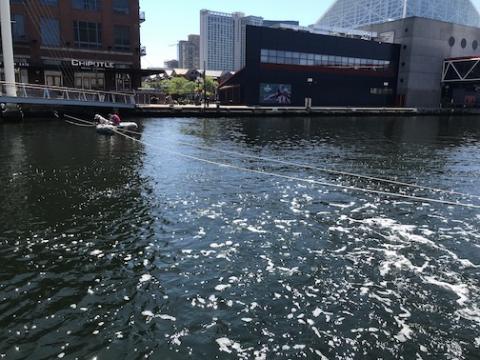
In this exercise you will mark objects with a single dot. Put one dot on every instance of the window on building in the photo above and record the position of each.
(53, 78)
(121, 38)
(90, 80)
(87, 4)
(381, 91)
(310, 59)
(18, 27)
(50, 2)
(87, 34)
(123, 82)
(121, 6)
(50, 30)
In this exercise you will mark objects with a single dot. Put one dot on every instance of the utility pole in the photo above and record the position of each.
(7, 46)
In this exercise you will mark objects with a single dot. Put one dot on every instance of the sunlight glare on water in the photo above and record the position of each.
(111, 249)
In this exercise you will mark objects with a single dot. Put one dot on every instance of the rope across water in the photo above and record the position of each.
(309, 181)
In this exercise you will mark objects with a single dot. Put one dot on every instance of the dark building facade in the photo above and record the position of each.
(285, 67)
(90, 44)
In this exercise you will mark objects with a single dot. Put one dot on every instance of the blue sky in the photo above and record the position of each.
(169, 21)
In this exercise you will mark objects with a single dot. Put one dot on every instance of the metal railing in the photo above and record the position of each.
(26, 91)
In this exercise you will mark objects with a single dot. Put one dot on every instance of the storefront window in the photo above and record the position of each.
(21, 75)
(90, 81)
(53, 78)
(123, 82)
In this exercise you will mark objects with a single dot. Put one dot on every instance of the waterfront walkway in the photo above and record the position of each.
(246, 111)
(37, 99)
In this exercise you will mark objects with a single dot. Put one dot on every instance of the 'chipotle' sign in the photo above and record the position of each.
(93, 64)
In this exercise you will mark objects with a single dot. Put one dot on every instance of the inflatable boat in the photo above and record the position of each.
(107, 127)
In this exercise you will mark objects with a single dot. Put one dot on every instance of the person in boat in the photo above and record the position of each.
(115, 119)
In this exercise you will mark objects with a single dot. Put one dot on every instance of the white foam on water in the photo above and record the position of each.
(228, 346)
(175, 339)
(225, 344)
(319, 353)
(470, 313)
(405, 332)
(257, 230)
(288, 271)
(399, 262)
(201, 233)
(150, 315)
(166, 317)
(341, 250)
(261, 354)
(342, 206)
(98, 253)
(461, 290)
(404, 234)
(339, 229)
(145, 278)
(222, 287)
(477, 342)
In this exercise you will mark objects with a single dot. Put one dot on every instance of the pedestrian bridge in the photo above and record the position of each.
(30, 94)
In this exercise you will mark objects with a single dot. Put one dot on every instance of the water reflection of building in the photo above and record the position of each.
(83, 44)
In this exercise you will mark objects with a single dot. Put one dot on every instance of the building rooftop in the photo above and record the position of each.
(353, 14)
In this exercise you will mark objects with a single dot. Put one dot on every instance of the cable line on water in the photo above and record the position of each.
(293, 178)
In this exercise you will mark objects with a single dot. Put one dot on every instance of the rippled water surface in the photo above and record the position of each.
(111, 249)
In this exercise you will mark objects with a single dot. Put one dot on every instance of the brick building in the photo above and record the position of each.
(90, 44)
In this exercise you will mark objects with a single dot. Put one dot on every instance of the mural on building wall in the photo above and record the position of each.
(279, 94)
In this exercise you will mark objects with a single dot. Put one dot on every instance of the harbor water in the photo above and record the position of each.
(116, 249)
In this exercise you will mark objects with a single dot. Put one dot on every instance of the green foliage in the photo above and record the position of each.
(179, 87)
(211, 86)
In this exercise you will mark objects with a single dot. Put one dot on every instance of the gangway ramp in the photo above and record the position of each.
(31, 94)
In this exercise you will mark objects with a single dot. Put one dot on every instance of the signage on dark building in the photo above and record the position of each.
(93, 64)
(19, 63)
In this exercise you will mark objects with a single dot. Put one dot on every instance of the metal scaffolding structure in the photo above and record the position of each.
(350, 14)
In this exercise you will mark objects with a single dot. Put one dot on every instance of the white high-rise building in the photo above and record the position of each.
(223, 38)
(240, 43)
(350, 14)
(217, 33)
